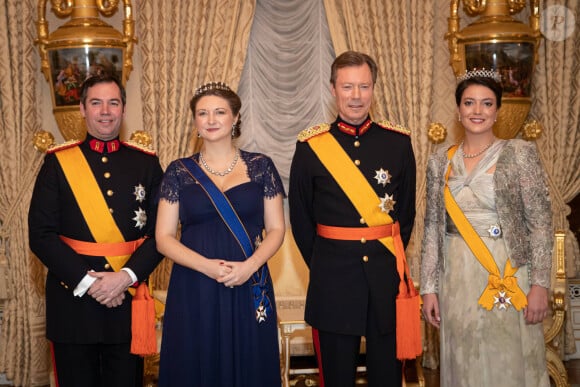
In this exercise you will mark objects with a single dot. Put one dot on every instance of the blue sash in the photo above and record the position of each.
(259, 285)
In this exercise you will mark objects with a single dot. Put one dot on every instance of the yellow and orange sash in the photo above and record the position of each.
(93, 206)
(109, 238)
(365, 200)
(508, 284)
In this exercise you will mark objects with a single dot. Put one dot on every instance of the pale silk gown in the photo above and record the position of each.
(479, 347)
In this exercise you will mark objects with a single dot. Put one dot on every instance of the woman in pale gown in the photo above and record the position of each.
(499, 186)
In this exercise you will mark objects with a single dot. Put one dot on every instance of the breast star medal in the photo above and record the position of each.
(139, 193)
(501, 301)
(140, 218)
(387, 203)
(383, 177)
(261, 314)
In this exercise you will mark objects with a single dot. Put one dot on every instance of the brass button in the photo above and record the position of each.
(105, 159)
(107, 266)
(365, 258)
(357, 162)
(363, 240)
(107, 175)
(111, 210)
(362, 221)
(110, 192)
(356, 144)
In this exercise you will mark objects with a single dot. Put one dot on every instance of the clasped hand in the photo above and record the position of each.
(109, 288)
(232, 273)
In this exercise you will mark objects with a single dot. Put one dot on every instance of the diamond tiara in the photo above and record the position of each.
(482, 73)
(211, 86)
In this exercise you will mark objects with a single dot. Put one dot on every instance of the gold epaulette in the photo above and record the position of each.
(140, 147)
(386, 124)
(315, 130)
(65, 145)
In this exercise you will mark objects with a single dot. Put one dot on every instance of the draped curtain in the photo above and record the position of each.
(285, 84)
(182, 46)
(23, 349)
(556, 105)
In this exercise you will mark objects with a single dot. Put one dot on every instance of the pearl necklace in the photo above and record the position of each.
(474, 155)
(218, 173)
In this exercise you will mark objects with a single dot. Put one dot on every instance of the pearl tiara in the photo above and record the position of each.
(481, 73)
(211, 86)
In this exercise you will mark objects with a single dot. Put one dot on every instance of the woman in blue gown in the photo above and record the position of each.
(214, 332)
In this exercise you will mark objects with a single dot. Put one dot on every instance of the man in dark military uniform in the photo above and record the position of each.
(354, 279)
(91, 222)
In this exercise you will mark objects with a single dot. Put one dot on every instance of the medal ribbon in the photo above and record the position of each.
(90, 199)
(366, 201)
(495, 283)
(104, 230)
(259, 286)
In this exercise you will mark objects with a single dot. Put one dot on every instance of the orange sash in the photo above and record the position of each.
(366, 201)
(104, 229)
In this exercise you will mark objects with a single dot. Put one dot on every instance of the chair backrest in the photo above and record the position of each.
(553, 326)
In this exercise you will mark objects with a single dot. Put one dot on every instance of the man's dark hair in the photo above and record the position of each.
(352, 59)
(105, 78)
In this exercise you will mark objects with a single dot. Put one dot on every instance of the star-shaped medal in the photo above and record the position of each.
(387, 203)
(140, 218)
(139, 193)
(501, 301)
(383, 177)
(261, 313)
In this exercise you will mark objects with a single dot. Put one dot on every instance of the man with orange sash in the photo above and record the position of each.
(91, 223)
(352, 208)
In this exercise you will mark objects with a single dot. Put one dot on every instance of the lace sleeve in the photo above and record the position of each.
(262, 170)
(170, 185)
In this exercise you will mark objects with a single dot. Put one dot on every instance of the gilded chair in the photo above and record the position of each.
(553, 326)
(290, 278)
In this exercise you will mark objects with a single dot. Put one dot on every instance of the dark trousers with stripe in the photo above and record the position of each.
(339, 355)
(96, 365)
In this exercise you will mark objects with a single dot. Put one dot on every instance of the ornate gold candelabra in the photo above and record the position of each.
(82, 47)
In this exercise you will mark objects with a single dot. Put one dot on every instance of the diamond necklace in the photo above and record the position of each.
(474, 155)
(218, 173)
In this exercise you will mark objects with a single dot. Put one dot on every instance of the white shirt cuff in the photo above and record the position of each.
(84, 285)
(131, 274)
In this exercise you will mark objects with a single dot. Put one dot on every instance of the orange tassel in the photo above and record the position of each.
(409, 344)
(144, 339)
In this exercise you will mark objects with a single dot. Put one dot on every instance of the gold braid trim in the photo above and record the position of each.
(315, 130)
(64, 145)
(386, 124)
(140, 147)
